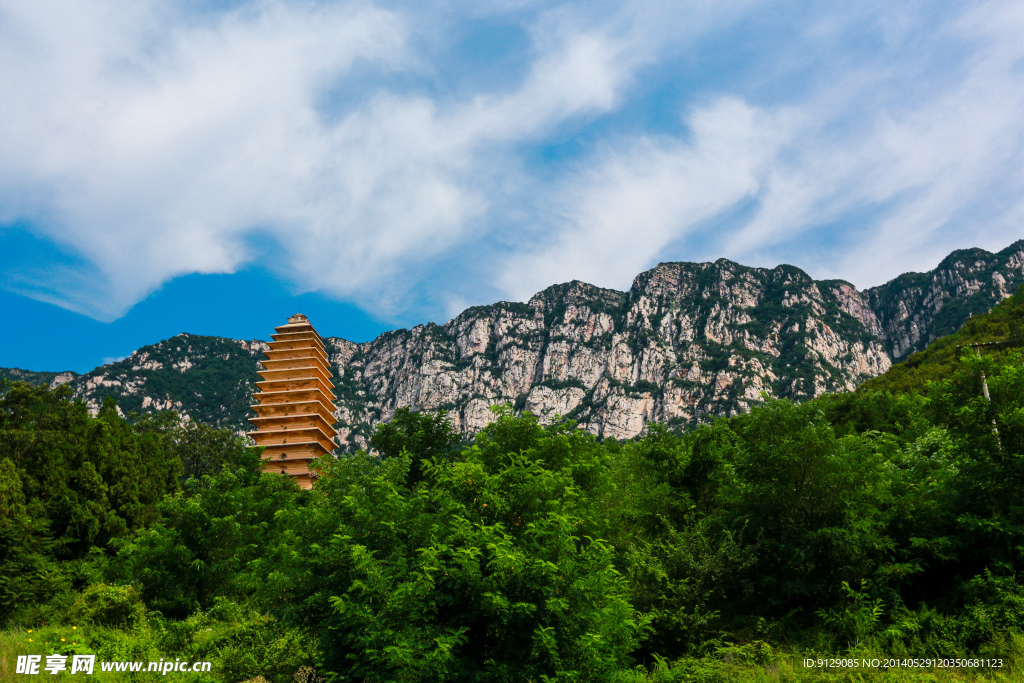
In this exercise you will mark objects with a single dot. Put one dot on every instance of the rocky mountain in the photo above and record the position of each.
(52, 379)
(915, 309)
(209, 379)
(688, 341)
(998, 332)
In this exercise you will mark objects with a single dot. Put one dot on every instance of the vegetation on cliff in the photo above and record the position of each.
(998, 331)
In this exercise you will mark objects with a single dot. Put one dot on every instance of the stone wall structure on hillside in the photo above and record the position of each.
(295, 402)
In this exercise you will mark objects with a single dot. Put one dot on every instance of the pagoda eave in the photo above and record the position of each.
(298, 373)
(274, 385)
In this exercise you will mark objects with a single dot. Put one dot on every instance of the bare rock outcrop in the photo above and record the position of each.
(686, 343)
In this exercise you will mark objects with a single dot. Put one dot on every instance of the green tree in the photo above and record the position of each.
(483, 570)
(676, 555)
(987, 437)
(204, 450)
(26, 574)
(207, 536)
(422, 435)
(815, 505)
(91, 479)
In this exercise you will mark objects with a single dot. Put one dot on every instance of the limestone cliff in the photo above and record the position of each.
(915, 309)
(688, 341)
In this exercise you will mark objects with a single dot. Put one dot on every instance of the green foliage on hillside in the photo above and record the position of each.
(73, 488)
(489, 568)
(1004, 322)
(856, 526)
(212, 376)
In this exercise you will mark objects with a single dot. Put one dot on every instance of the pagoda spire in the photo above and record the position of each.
(295, 402)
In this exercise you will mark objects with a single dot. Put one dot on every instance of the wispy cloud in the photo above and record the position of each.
(152, 143)
(158, 144)
(325, 140)
(894, 161)
(625, 207)
(920, 171)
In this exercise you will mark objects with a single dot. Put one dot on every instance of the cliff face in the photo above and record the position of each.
(688, 341)
(915, 309)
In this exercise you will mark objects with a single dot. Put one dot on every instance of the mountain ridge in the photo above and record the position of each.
(686, 342)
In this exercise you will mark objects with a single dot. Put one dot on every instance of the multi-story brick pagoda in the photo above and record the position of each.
(294, 413)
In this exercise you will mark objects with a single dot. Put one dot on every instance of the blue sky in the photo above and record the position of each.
(378, 165)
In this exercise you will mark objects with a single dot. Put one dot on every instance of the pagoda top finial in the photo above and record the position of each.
(297, 318)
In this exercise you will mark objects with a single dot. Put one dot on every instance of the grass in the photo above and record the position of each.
(752, 663)
(240, 646)
(108, 644)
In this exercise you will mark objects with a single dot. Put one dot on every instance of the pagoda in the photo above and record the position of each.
(295, 404)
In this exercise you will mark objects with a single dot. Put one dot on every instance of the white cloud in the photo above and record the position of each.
(931, 165)
(156, 143)
(630, 205)
(154, 159)
(906, 162)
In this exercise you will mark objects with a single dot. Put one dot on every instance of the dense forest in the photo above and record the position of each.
(883, 524)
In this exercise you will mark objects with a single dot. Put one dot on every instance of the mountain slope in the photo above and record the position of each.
(1005, 322)
(53, 379)
(210, 379)
(915, 309)
(687, 342)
